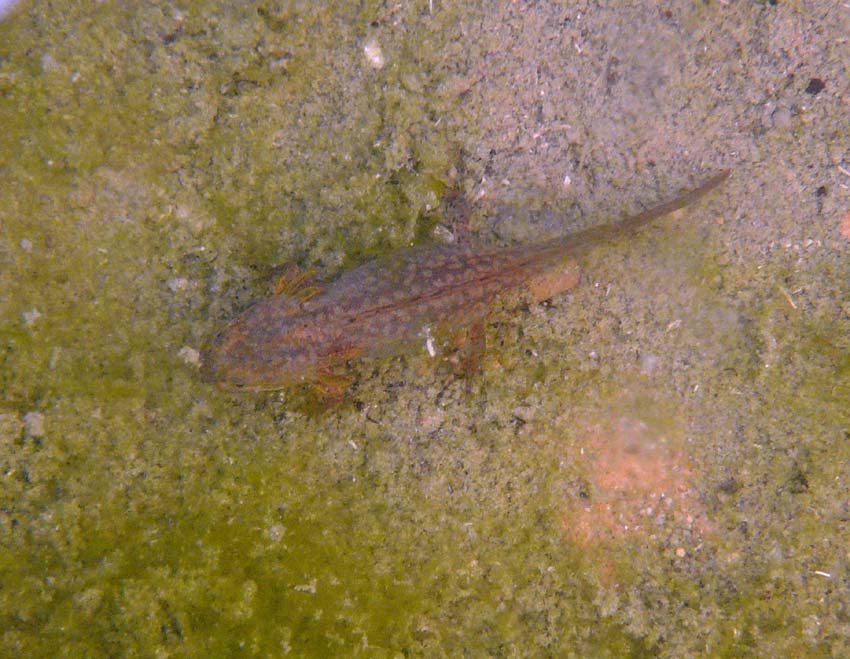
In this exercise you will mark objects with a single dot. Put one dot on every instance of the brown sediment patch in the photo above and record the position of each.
(844, 227)
(640, 488)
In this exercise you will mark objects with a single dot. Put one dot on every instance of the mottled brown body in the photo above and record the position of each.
(392, 302)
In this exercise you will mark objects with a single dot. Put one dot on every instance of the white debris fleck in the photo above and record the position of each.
(55, 354)
(649, 363)
(276, 532)
(307, 587)
(429, 341)
(34, 424)
(31, 316)
(176, 284)
(49, 63)
(374, 54)
(189, 355)
(26, 245)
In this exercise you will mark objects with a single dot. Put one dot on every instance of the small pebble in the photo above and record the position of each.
(374, 54)
(815, 86)
(189, 355)
(649, 363)
(34, 424)
(782, 118)
(31, 316)
(48, 63)
(176, 284)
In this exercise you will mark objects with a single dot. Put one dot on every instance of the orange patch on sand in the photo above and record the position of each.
(640, 487)
(844, 227)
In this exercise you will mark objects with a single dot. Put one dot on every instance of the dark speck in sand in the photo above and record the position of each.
(815, 86)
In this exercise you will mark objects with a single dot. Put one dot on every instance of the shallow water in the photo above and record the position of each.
(650, 465)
